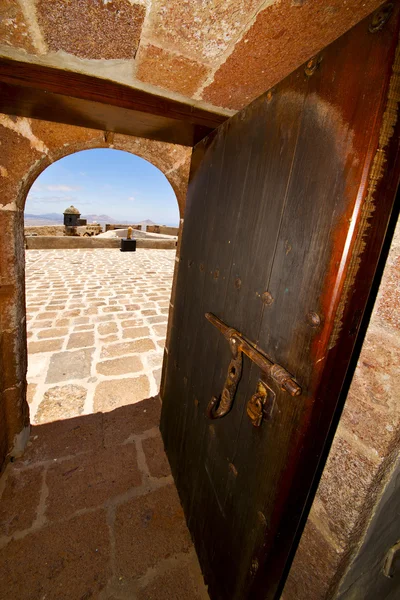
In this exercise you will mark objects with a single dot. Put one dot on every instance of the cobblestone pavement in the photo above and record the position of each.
(90, 511)
(96, 324)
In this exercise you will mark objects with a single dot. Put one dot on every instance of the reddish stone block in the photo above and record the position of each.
(155, 457)
(281, 38)
(375, 427)
(20, 156)
(345, 488)
(13, 29)
(201, 30)
(174, 584)
(170, 71)
(20, 499)
(131, 420)
(149, 529)
(313, 568)
(64, 438)
(57, 135)
(388, 301)
(96, 30)
(63, 561)
(90, 479)
(377, 377)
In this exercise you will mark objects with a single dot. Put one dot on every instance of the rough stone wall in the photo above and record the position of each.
(26, 148)
(219, 54)
(365, 447)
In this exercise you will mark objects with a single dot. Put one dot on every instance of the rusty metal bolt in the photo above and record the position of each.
(216, 274)
(314, 319)
(267, 298)
(233, 469)
(380, 17)
(254, 566)
(238, 283)
(262, 518)
(201, 266)
(312, 65)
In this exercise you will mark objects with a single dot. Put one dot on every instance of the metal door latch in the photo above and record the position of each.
(261, 404)
(256, 408)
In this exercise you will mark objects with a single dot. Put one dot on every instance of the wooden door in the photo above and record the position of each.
(286, 212)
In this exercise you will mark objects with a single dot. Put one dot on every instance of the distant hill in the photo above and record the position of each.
(58, 219)
(45, 219)
(102, 219)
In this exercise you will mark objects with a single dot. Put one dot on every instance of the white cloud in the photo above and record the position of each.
(61, 188)
(131, 198)
(50, 199)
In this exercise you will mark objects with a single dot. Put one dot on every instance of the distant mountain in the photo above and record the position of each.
(46, 219)
(46, 216)
(58, 219)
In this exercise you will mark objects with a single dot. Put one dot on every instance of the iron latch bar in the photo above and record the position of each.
(218, 408)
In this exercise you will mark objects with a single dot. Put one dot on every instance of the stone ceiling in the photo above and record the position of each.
(219, 54)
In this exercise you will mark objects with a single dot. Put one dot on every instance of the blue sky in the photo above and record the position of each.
(104, 181)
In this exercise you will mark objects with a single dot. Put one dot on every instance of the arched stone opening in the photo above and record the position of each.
(31, 147)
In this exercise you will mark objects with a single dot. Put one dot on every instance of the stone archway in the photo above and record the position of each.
(31, 147)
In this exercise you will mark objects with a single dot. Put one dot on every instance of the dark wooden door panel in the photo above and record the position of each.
(274, 205)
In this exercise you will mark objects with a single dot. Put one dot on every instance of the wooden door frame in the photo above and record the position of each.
(50, 94)
(45, 93)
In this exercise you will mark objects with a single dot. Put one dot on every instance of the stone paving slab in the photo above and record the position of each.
(90, 512)
(96, 323)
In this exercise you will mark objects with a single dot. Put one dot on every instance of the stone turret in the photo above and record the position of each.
(71, 216)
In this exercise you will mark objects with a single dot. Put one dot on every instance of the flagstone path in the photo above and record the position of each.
(91, 511)
(96, 323)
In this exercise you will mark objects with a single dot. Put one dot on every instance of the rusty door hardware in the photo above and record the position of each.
(261, 404)
(218, 408)
(392, 560)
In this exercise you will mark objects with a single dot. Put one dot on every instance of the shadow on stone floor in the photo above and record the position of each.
(91, 511)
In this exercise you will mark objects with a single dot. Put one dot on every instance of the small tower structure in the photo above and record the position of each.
(71, 218)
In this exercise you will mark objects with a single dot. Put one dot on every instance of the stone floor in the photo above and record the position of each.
(97, 321)
(90, 511)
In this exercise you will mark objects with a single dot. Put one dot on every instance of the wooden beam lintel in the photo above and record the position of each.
(56, 95)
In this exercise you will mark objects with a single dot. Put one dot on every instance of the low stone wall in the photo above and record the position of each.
(162, 229)
(59, 243)
(112, 226)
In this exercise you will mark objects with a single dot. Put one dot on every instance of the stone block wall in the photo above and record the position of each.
(220, 55)
(27, 147)
(361, 459)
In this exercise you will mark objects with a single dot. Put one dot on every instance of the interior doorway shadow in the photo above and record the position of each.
(91, 511)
